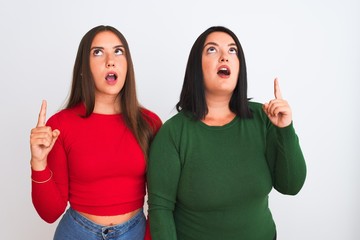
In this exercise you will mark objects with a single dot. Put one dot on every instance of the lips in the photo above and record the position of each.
(111, 77)
(224, 71)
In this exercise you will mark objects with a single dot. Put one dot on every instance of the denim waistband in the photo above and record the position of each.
(104, 230)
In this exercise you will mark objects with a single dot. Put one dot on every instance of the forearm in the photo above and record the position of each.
(46, 196)
(289, 171)
(162, 226)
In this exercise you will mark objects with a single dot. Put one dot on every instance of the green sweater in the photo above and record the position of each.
(212, 182)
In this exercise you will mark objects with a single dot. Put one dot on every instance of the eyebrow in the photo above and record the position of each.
(214, 43)
(117, 46)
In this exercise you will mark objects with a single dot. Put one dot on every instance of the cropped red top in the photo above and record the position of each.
(96, 164)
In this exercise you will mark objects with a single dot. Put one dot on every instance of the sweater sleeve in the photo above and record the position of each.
(50, 198)
(163, 177)
(285, 158)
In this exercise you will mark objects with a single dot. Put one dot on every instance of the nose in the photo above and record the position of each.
(223, 58)
(110, 62)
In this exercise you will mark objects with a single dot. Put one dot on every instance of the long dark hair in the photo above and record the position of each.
(192, 97)
(83, 88)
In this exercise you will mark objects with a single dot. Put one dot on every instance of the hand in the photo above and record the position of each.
(278, 109)
(42, 140)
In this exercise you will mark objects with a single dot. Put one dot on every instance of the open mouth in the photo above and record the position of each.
(111, 77)
(223, 71)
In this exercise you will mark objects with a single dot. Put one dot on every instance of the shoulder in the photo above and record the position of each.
(255, 106)
(177, 123)
(65, 115)
(259, 114)
(171, 129)
(178, 119)
(152, 118)
(150, 114)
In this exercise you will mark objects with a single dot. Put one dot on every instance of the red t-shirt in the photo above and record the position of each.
(97, 166)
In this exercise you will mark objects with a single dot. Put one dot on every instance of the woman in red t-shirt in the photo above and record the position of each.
(92, 154)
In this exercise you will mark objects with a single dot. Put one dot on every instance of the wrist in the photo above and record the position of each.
(38, 165)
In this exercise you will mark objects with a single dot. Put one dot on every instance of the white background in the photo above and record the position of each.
(312, 46)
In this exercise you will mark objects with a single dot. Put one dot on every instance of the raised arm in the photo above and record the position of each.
(49, 181)
(42, 140)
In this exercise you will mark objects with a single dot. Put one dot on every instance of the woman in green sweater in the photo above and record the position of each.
(213, 164)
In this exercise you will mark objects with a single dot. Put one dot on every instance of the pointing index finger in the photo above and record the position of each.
(277, 91)
(42, 115)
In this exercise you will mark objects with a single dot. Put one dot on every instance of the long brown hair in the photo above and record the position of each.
(83, 88)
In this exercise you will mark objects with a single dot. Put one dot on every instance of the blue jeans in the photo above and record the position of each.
(74, 226)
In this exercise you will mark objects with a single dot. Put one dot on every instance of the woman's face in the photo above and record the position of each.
(108, 64)
(220, 64)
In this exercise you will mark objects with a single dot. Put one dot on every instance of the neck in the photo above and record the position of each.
(107, 105)
(219, 112)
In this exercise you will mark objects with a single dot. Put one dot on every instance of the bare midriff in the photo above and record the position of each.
(110, 220)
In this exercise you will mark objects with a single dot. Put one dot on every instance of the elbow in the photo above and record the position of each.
(49, 217)
(292, 191)
(289, 190)
(291, 187)
(292, 182)
(49, 220)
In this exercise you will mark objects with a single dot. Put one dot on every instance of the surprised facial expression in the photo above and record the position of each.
(108, 64)
(220, 64)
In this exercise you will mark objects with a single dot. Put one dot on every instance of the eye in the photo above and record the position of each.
(119, 51)
(97, 52)
(211, 50)
(233, 51)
